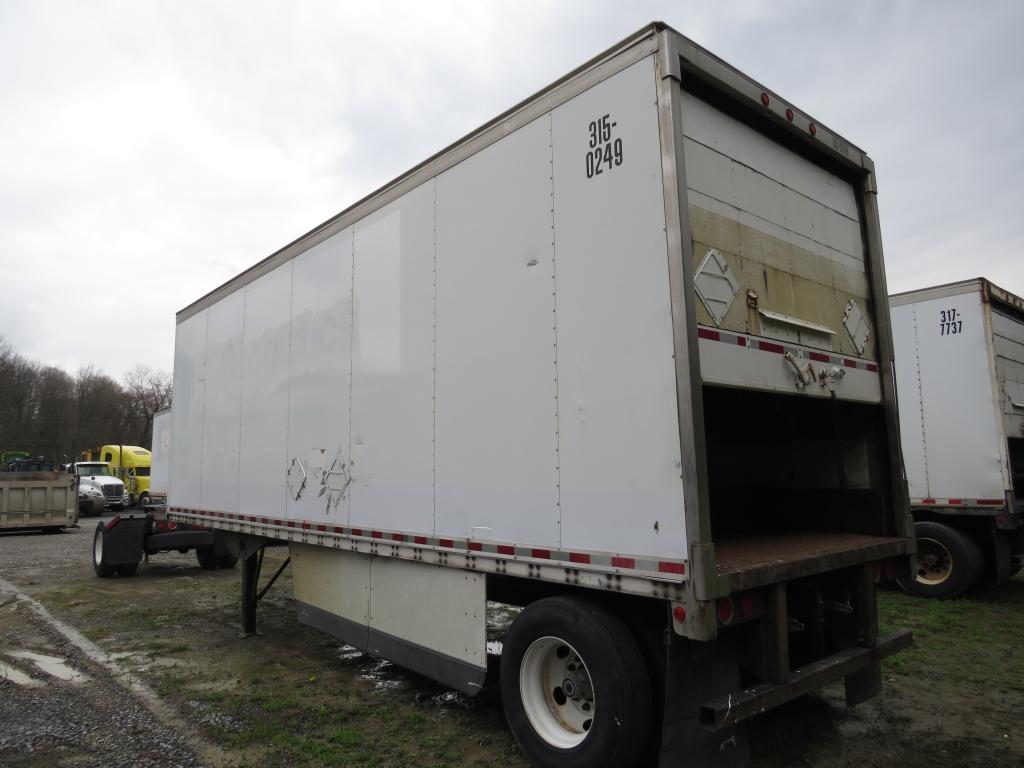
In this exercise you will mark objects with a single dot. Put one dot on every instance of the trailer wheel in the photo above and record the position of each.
(948, 562)
(103, 570)
(208, 558)
(127, 569)
(574, 685)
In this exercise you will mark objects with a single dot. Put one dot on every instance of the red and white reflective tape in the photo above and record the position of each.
(990, 503)
(778, 348)
(574, 559)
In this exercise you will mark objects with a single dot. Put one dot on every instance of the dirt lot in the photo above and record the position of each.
(293, 696)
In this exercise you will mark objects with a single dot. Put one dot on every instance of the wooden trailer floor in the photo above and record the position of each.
(769, 559)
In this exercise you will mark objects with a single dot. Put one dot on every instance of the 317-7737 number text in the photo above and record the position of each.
(950, 322)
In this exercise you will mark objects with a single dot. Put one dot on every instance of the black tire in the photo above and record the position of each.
(548, 638)
(99, 564)
(143, 500)
(228, 561)
(949, 562)
(208, 558)
(128, 569)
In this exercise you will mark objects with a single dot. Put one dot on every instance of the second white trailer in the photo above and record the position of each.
(960, 376)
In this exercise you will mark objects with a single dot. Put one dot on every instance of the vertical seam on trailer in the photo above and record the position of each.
(351, 364)
(554, 329)
(288, 401)
(241, 405)
(202, 428)
(920, 402)
(433, 394)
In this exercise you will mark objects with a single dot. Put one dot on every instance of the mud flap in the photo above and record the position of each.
(688, 683)
(123, 542)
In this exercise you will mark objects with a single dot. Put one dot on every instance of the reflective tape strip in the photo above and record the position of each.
(297, 529)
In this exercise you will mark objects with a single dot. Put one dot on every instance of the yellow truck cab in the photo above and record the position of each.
(131, 464)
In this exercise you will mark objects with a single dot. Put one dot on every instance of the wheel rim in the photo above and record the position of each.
(97, 548)
(934, 562)
(557, 692)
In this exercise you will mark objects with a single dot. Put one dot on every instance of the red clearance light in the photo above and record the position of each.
(789, 115)
(726, 610)
(171, 525)
(812, 128)
(765, 100)
(679, 613)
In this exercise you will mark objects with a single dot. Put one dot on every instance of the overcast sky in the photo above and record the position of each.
(151, 150)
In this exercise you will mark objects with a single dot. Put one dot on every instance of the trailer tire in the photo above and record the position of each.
(575, 687)
(949, 562)
(99, 564)
(127, 569)
(208, 558)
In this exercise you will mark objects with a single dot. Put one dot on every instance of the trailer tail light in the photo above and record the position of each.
(679, 613)
(726, 611)
(171, 525)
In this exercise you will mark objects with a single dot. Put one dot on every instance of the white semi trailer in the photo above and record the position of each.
(960, 378)
(160, 468)
(620, 356)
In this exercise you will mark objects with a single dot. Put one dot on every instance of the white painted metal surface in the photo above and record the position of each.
(222, 423)
(618, 439)
(953, 442)
(496, 462)
(393, 366)
(189, 415)
(263, 460)
(160, 461)
(320, 345)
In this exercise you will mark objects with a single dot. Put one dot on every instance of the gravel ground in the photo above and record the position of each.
(92, 719)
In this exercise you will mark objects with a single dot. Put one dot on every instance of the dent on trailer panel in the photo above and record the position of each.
(189, 394)
(265, 378)
(318, 393)
(496, 463)
(222, 407)
(392, 449)
(619, 449)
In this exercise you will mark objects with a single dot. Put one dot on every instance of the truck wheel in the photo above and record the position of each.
(103, 570)
(143, 500)
(208, 558)
(574, 685)
(948, 562)
(127, 569)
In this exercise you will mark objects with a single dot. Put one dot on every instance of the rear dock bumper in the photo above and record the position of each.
(742, 704)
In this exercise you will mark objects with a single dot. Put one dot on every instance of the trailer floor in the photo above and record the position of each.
(761, 560)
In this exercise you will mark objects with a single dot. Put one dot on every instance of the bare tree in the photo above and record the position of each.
(146, 392)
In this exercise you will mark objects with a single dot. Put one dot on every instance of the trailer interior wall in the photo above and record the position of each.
(489, 356)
